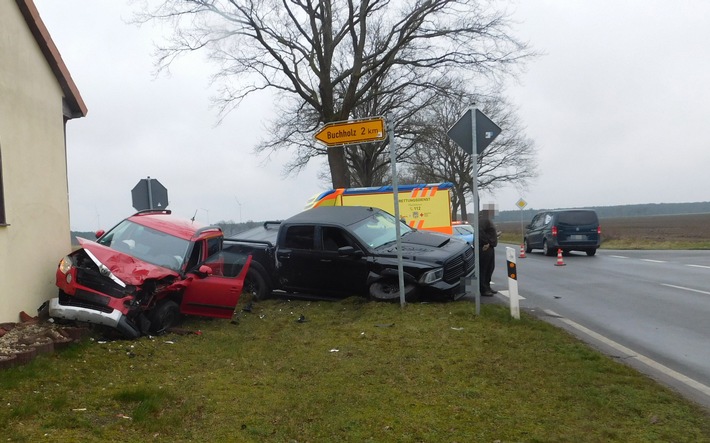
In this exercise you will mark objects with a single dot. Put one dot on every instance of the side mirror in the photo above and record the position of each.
(204, 271)
(348, 251)
(99, 233)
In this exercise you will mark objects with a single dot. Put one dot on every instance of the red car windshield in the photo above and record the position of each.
(147, 244)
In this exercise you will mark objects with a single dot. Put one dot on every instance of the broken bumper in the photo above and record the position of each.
(114, 319)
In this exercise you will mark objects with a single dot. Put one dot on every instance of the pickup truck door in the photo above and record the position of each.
(342, 273)
(296, 257)
(314, 265)
(216, 293)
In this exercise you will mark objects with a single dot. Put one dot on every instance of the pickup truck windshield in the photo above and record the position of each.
(147, 244)
(379, 229)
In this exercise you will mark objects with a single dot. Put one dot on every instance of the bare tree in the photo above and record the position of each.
(508, 160)
(406, 106)
(324, 57)
(369, 163)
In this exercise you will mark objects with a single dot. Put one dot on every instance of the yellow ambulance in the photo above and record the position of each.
(422, 206)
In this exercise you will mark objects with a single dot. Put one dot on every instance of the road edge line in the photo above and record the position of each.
(640, 357)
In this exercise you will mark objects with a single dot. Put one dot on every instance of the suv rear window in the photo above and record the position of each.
(577, 218)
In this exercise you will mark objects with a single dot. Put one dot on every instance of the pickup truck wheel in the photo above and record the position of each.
(164, 316)
(389, 290)
(255, 284)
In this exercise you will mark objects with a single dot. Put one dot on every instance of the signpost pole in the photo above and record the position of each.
(395, 193)
(150, 194)
(521, 204)
(473, 132)
(476, 241)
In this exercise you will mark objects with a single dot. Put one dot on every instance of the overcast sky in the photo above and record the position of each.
(617, 106)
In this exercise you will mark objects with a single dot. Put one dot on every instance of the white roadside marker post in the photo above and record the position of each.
(512, 283)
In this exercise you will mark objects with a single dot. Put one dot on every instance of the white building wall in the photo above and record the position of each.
(32, 145)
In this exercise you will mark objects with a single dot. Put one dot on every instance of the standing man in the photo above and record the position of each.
(487, 242)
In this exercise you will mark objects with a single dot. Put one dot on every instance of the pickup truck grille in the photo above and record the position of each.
(459, 266)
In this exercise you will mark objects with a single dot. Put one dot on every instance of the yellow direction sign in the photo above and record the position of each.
(521, 203)
(350, 132)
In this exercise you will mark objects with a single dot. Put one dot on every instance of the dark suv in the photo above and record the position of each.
(566, 229)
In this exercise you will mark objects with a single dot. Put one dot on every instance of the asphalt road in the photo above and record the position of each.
(650, 309)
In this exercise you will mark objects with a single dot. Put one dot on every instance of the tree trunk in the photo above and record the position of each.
(462, 208)
(338, 167)
(454, 206)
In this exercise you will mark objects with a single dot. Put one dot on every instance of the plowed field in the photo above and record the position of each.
(687, 231)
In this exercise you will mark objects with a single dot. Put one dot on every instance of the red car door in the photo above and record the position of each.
(216, 294)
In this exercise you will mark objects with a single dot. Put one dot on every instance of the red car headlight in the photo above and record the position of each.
(65, 265)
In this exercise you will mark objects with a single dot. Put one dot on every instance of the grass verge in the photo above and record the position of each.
(353, 371)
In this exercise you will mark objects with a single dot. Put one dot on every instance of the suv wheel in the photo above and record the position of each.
(164, 316)
(546, 249)
(591, 252)
(528, 249)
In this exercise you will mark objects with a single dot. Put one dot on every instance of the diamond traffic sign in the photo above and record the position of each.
(462, 131)
(351, 132)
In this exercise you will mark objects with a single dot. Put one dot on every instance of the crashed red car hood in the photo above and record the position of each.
(129, 269)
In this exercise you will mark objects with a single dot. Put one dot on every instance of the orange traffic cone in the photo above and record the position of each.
(559, 258)
(522, 251)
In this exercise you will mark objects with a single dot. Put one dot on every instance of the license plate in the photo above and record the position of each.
(577, 237)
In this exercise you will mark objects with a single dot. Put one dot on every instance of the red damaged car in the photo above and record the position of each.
(140, 276)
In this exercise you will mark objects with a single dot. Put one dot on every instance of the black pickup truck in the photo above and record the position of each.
(340, 251)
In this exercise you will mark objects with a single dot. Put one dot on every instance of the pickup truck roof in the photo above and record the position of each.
(321, 215)
(333, 215)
